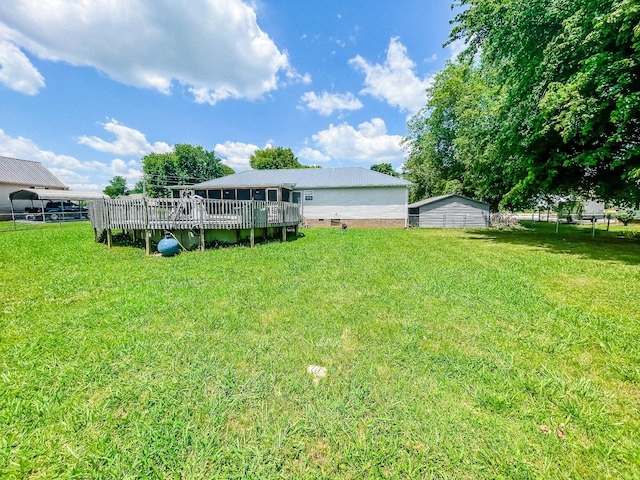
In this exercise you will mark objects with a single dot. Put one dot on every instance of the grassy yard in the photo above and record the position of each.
(449, 354)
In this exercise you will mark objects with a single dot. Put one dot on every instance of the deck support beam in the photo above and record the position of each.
(95, 235)
(202, 239)
(109, 239)
(147, 242)
(252, 237)
(284, 233)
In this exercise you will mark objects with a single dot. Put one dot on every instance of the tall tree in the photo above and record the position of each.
(117, 186)
(451, 141)
(274, 158)
(571, 73)
(186, 165)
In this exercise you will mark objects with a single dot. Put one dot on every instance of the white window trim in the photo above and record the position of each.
(308, 195)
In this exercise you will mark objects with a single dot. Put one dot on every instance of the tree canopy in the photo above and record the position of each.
(545, 100)
(117, 186)
(274, 158)
(186, 165)
(385, 168)
(138, 187)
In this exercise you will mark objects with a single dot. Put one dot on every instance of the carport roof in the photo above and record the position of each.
(41, 194)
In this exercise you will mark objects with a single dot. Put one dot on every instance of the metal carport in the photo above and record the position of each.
(51, 195)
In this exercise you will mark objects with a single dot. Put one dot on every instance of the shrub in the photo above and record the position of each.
(625, 216)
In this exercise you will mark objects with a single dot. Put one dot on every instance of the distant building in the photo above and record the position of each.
(18, 174)
(355, 196)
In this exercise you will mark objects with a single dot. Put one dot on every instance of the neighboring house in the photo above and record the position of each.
(449, 211)
(355, 196)
(593, 210)
(18, 174)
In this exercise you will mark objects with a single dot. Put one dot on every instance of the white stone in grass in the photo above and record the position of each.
(318, 372)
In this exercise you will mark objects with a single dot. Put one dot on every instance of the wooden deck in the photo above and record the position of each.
(160, 214)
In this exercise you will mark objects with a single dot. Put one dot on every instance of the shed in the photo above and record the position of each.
(355, 196)
(449, 211)
(16, 174)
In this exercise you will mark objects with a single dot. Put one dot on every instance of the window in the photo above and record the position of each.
(295, 197)
(244, 194)
(215, 194)
(272, 195)
(258, 194)
(308, 195)
(201, 193)
(229, 194)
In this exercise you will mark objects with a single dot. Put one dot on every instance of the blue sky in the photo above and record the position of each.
(89, 88)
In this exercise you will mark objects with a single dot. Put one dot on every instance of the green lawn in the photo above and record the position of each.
(446, 351)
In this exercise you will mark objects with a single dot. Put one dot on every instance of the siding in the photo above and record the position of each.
(356, 203)
(455, 214)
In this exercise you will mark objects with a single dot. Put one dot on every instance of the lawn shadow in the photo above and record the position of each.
(573, 240)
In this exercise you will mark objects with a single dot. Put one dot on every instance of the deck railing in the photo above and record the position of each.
(189, 213)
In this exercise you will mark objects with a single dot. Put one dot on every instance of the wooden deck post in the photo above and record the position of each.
(147, 242)
(284, 233)
(109, 239)
(95, 235)
(252, 237)
(202, 239)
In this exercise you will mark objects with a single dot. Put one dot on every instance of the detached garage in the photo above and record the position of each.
(449, 211)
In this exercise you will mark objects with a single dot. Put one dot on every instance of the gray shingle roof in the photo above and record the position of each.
(307, 178)
(28, 173)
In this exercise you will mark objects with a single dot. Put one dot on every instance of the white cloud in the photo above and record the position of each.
(368, 143)
(17, 72)
(124, 169)
(26, 149)
(395, 81)
(235, 154)
(77, 174)
(312, 156)
(215, 48)
(326, 103)
(128, 141)
(294, 77)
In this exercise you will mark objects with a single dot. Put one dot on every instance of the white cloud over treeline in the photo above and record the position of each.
(368, 143)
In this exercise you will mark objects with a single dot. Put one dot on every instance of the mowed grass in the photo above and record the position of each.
(446, 353)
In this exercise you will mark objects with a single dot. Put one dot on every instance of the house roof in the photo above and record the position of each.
(26, 172)
(443, 197)
(307, 178)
